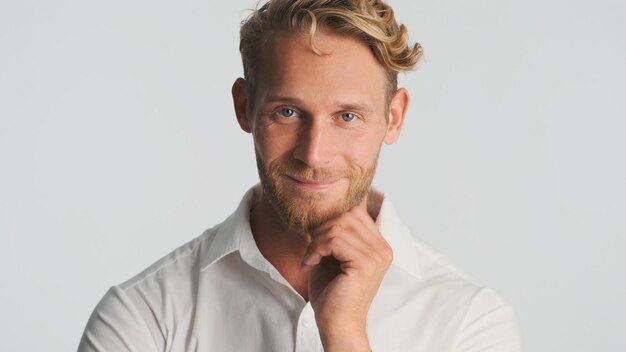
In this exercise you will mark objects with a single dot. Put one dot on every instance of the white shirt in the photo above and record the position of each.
(218, 293)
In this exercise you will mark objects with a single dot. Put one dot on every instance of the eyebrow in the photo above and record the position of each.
(282, 99)
(356, 106)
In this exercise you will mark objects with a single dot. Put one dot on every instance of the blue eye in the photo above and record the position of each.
(287, 112)
(348, 116)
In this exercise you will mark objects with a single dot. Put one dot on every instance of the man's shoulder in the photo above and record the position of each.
(441, 277)
(447, 293)
(178, 273)
(450, 283)
(434, 265)
(415, 256)
(177, 266)
(132, 312)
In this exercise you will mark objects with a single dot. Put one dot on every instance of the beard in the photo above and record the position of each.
(301, 211)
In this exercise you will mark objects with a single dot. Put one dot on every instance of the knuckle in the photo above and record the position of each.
(389, 252)
(332, 241)
(386, 254)
(389, 257)
(335, 228)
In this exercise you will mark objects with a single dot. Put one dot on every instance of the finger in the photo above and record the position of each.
(350, 230)
(370, 242)
(349, 224)
(364, 218)
(339, 247)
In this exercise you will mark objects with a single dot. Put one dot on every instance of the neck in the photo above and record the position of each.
(283, 247)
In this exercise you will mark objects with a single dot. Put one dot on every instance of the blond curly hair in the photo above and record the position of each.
(371, 22)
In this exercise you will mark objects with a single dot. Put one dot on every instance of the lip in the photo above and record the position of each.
(311, 186)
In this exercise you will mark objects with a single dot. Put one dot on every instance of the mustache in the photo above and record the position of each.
(304, 173)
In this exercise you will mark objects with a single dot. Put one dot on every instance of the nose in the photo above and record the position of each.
(315, 146)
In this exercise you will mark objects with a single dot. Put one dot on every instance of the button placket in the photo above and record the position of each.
(307, 335)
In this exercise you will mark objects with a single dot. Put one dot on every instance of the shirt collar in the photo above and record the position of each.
(235, 234)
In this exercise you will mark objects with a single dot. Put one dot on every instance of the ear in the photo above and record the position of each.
(397, 111)
(240, 101)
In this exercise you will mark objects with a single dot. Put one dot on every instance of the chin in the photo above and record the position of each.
(303, 211)
(302, 197)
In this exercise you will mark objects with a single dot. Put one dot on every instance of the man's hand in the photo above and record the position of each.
(348, 259)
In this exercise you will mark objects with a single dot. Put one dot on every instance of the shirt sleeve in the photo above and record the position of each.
(490, 325)
(116, 326)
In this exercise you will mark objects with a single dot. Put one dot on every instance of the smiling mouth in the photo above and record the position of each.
(311, 185)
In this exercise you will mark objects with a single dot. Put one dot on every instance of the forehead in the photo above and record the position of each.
(344, 70)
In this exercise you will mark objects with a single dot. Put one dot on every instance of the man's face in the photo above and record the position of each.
(318, 123)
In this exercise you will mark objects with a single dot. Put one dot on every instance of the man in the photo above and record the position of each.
(313, 259)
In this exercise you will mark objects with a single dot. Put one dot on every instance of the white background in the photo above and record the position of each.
(118, 144)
